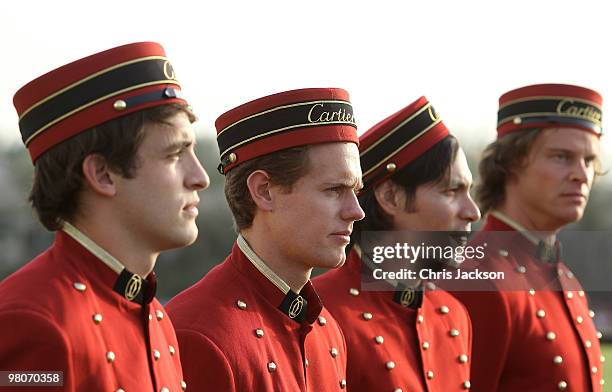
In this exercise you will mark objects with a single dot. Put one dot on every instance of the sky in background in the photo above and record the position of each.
(462, 55)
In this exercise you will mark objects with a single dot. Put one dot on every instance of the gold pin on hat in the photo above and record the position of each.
(119, 105)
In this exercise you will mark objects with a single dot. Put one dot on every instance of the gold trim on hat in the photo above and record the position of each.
(401, 147)
(391, 132)
(282, 107)
(261, 265)
(556, 114)
(259, 136)
(541, 97)
(81, 81)
(94, 248)
(89, 104)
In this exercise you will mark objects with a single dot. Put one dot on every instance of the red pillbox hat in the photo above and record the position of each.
(549, 105)
(279, 121)
(93, 90)
(398, 140)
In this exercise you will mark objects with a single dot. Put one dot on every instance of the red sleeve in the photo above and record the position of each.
(491, 335)
(31, 341)
(205, 367)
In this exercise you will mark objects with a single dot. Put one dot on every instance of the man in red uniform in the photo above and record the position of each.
(117, 178)
(255, 323)
(410, 337)
(533, 331)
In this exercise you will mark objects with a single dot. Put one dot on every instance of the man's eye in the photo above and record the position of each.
(588, 161)
(176, 154)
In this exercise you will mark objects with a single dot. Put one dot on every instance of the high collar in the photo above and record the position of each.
(512, 225)
(497, 221)
(129, 285)
(302, 307)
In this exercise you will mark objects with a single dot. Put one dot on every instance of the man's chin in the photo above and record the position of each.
(182, 239)
(575, 218)
(332, 261)
(570, 215)
(341, 261)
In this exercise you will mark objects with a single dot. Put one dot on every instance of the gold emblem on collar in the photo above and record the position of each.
(132, 288)
(296, 307)
(407, 297)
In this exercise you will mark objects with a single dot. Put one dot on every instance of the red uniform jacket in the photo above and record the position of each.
(60, 313)
(392, 347)
(540, 338)
(238, 331)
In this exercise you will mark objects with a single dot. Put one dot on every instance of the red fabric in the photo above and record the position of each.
(62, 77)
(510, 127)
(99, 113)
(219, 347)
(510, 349)
(91, 117)
(552, 90)
(403, 336)
(296, 137)
(46, 324)
(299, 137)
(381, 128)
(279, 99)
(413, 150)
(546, 90)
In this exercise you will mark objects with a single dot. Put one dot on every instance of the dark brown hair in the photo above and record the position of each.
(58, 174)
(431, 167)
(284, 168)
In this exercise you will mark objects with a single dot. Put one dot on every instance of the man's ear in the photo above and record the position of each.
(98, 175)
(390, 197)
(259, 185)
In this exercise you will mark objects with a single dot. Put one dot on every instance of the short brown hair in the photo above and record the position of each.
(284, 168)
(58, 176)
